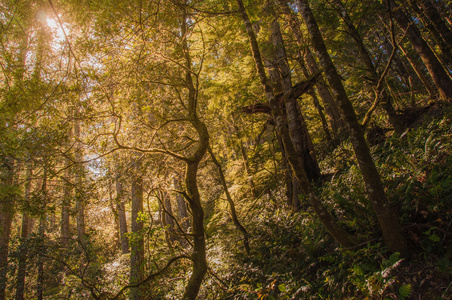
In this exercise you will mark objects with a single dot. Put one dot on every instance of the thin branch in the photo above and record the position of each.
(150, 276)
(378, 89)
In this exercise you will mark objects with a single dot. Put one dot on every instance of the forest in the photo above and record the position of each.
(234, 149)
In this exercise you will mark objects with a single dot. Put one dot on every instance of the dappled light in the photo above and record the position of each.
(225, 149)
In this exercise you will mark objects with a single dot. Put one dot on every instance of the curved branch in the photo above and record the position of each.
(150, 276)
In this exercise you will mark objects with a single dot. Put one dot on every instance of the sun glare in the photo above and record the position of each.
(56, 28)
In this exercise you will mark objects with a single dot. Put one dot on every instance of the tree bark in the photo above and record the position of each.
(181, 204)
(6, 217)
(41, 233)
(21, 271)
(440, 77)
(191, 174)
(435, 18)
(388, 219)
(419, 72)
(65, 208)
(331, 108)
(168, 218)
(425, 11)
(79, 197)
(120, 206)
(248, 172)
(137, 241)
(298, 130)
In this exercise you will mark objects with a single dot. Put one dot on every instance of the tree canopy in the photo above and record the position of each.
(234, 149)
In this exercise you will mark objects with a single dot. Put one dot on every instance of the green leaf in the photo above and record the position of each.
(434, 238)
(282, 288)
(405, 290)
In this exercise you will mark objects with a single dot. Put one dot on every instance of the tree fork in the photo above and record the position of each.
(297, 166)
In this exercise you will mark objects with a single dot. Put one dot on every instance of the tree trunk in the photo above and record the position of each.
(191, 173)
(137, 241)
(423, 10)
(41, 232)
(320, 109)
(168, 218)
(181, 204)
(388, 219)
(248, 172)
(6, 217)
(120, 206)
(330, 106)
(296, 163)
(419, 72)
(79, 190)
(21, 271)
(40, 262)
(298, 130)
(444, 10)
(435, 18)
(440, 77)
(65, 208)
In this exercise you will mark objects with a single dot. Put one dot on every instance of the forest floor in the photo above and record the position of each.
(294, 258)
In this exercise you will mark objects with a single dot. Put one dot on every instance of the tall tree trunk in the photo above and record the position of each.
(423, 10)
(444, 10)
(181, 204)
(388, 219)
(296, 163)
(6, 216)
(41, 233)
(330, 106)
(232, 210)
(137, 242)
(40, 263)
(191, 173)
(21, 271)
(79, 197)
(248, 172)
(298, 130)
(65, 208)
(419, 72)
(120, 207)
(168, 220)
(440, 77)
(435, 18)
